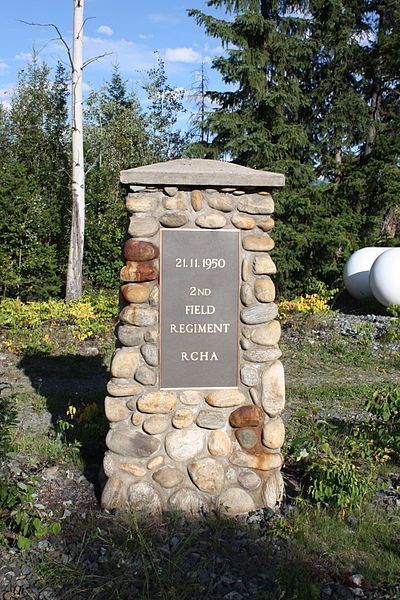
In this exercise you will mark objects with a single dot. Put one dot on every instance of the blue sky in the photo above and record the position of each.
(129, 29)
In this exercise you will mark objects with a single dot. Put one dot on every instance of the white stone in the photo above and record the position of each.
(184, 444)
(273, 389)
(236, 501)
(207, 474)
(143, 497)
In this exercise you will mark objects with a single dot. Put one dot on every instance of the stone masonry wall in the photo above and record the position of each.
(195, 450)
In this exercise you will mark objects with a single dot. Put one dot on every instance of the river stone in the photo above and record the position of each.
(267, 335)
(210, 419)
(115, 409)
(124, 363)
(264, 289)
(150, 354)
(207, 474)
(191, 397)
(176, 202)
(273, 434)
(182, 418)
(184, 444)
(249, 480)
(154, 297)
(136, 418)
(246, 294)
(249, 375)
(255, 204)
(139, 271)
(219, 443)
(225, 398)
(272, 490)
(247, 438)
(170, 190)
(128, 442)
(264, 265)
(145, 375)
(196, 198)
(155, 462)
(143, 497)
(187, 501)
(156, 424)
(138, 251)
(236, 501)
(238, 192)
(266, 224)
(141, 316)
(168, 477)
(137, 188)
(129, 335)
(108, 463)
(243, 222)
(157, 402)
(254, 315)
(273, 389)
(132, 468)
(136, 203)
(255, 396)
(258, 243)
(246, 269)
(113, 495)
(136, 292)
(123, 387)
(246, 416)
(151, 336)
(211, 221)
(244, 343)
(261, 356)
(263, 461)
(221, 202)
(140, 226)
(173, 219)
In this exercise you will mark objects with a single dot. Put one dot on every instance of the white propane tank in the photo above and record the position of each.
(384, 278)
(357, 269)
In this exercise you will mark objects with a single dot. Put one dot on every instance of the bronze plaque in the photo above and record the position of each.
(199, 309)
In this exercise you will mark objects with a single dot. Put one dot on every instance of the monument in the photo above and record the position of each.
(197, 388)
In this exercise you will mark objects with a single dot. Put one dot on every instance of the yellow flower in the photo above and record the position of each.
(71, 411)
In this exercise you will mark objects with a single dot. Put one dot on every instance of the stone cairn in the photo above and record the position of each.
(196, 450)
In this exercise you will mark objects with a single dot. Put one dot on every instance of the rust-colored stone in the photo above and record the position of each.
(134, 250)
(139, 271)
(246, 416)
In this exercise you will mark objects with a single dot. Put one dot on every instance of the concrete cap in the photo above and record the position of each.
(201, 172)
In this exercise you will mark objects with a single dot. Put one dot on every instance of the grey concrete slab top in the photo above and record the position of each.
(201, 172)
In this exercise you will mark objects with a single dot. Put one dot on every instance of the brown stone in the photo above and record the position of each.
(264, 289)
(219, 443)
(256, 204)
(266, 224)
(262, 461)
(135, 292)
(273, 389)
(258, 243)
(157, 402)
(118, 386)
(141, 203)
(139, 271)
(168, 477)
(115, 409)
(264, 265)
(211, 221)
(207, 474)
(113, 495)
(221, 202)
(176, 202)
(273, 434)
(124, 363)
(225, 398)
(138, 251)
(243, 222)
(267, 334)
(132, 468)
(246, 269)
(173, 220)
(182, 418)
(236, 501)
(136, 419)
(197, 200)
(138, 315)
(156, 424)
(246, 416)
(155, 462)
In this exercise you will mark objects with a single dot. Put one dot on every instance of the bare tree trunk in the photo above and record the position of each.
(75, 258)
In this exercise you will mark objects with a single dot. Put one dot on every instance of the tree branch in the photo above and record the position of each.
(94, 58)
(60, 37)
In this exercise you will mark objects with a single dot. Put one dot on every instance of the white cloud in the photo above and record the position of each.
(146, 36)
(24, 56)
(3, 66)
(161, 19)
(131, 57)
(184, 55)
(105, 29)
